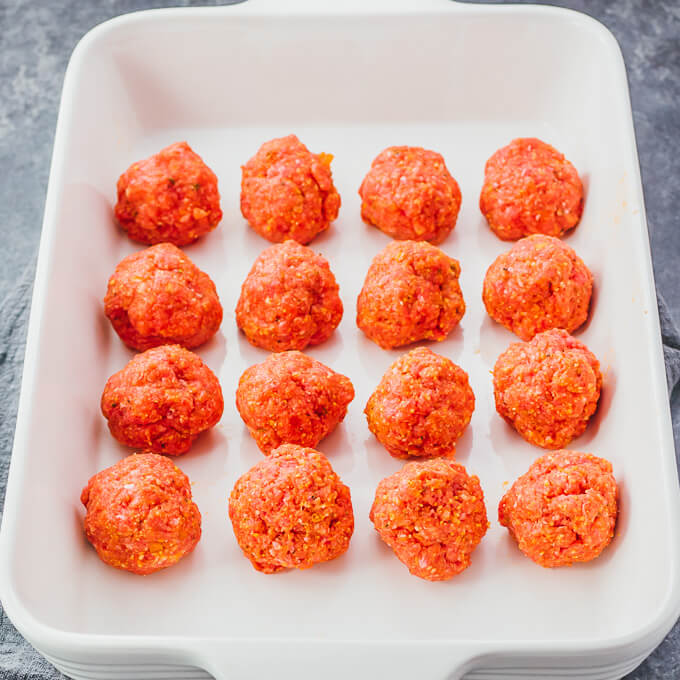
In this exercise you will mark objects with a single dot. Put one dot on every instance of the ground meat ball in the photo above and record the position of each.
(170, 197)
(287, 192)
(421, 406)
(159, 296)
(289, 299)
(411, 293)
(140, 516)
(291, 511)
(409, 194)
(539, 284)
(547, 388)
(292, 399)
(162, 400)
(432, 514)
(563, 510)
(530, 188)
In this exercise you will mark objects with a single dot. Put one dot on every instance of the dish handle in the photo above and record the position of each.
(314, 659)
(346, 6)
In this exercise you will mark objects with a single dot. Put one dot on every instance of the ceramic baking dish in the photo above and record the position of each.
(349, 78)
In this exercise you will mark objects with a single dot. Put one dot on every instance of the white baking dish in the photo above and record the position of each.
(349, 80)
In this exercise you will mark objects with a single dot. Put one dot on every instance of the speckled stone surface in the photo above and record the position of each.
(36, 39)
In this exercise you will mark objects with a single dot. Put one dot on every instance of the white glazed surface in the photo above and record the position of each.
(467, 82)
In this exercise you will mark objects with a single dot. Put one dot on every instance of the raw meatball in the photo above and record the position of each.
(158, 296)
(539, 284)
(421, 406)
(140, 516)
(547, 388)
(409, 194)
(287, 191)
(291, 511)
(563, 509)
(289, 299)
(411, 293)
(432, 514)
(530, 188)
(170, 197)
(162, 400)
(292, 399)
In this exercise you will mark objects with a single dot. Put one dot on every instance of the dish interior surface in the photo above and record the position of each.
(463, 85)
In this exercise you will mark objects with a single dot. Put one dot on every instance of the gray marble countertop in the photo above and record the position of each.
(36, 40)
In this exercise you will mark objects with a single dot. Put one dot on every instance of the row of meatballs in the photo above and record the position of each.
(287, 192)
(291, 510)
(290, 298)
(547, 389)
